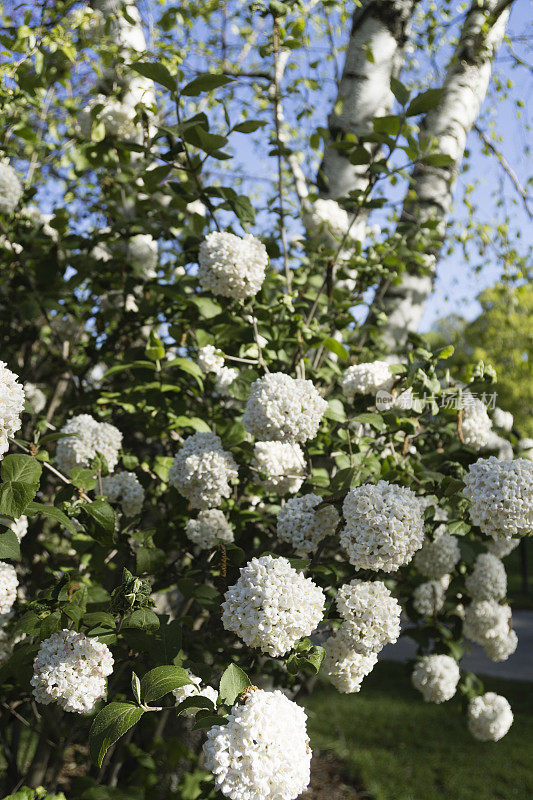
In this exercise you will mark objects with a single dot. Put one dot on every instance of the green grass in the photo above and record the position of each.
(401, 748)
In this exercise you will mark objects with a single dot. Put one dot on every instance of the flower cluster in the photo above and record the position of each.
(489, 717)
(367, 379)
(438, 557)
(384, 526)
(488, 623)
(263, 752)
(87, 438)
(501, 496)
(232, 266)
(346, 668)
(8, 587)
(212, 360)
(272, 605)
(371, 615)
(142, 255)
(436, 677)
(303, 526)
(488, 580)
(282, 408)
(502, 547)
(202, 470)
(476, 423)
(18, 526)
(327, 221)
(71, 669)
(502, 419)
(117, 117)
(281, 466)
(194, 689)
(10, 188)
(11, 406)
(208, 529)
(429, 597)
(126, 486)
(499, 648)
(35, 397)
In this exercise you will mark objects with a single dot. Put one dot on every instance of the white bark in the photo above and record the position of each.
(381, 27)
(430, 195)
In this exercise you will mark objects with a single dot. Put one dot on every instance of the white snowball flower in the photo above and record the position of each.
(272, 605)
(88, 437)
(8, 587)
(11, 406)
(501, 496)
(326, 220)
(10, 189)
(367, 379)
(209, 528)
(303, 526)
(438, 557)
(225, 378)
(142, 255)
(525, 447)
(281, 408)
(126, 486)
(343, 665)
(232, 266)
(488, 579)
(502, 419)
(71, 669)
(371, 614)
(18, 526)
(263, 752)
(476, 424)
(117, 117)
(489, 717)
(485, 620)
(499, 648)
(194, 689)
(436, 677)
(210, 359)
(202, 470)
(502, 547)
(35, 397)
(429, 597)
(281, 466)
(197, 207)
(384, 526)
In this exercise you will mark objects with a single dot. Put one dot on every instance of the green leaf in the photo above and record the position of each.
(438, 160)
(9, 546)
(335, 347)
(207, 721)
(400, 92)
(162, 680)
(375, 420)
(133, 365)
(15, 497)
(103, 514)
(24, 469)
(424, 101)
(155, 350)
(110, 724)
(389, 124)
(207, 307)
(53, 513)
(249, 126)
(446, 352)
(142, 618)
(233, 683)
(191, 367)
(196, 701)
(82, 478)
(155, 72)
(205, 83)
(136, 687)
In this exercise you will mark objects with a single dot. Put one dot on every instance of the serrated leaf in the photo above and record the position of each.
(109, 725)
(53, 513)
(162, 680)
(233, 683)
(21, 468)
(155, 72)
(9, 546)
(205, 83)
(102, 513)
(15, 497)
(424, 101)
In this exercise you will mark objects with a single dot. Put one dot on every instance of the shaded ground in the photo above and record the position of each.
(401, 748)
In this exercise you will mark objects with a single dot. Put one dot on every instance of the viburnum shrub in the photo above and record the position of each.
(217, 506)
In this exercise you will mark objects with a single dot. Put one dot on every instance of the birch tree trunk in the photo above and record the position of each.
(429, 197)
(381, 27)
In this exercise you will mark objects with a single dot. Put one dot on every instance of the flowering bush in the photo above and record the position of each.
(203, 503)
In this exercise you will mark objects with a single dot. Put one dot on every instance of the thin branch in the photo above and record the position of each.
(509, 171)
